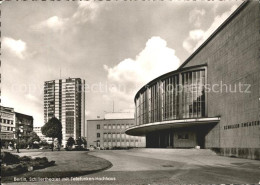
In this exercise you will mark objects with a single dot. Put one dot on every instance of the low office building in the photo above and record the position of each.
(110, 132)
(7, 125)
(213, 99)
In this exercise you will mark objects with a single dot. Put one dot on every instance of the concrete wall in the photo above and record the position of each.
(184, 143)
(233, 57)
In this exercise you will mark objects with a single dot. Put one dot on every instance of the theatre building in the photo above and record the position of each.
(213, 99)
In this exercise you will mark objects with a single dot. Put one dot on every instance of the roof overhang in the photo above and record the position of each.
(142, 130)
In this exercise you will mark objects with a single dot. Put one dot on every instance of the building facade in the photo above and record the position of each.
(65, 100)
(7, 125)
(38, 131)
(213, 99)
(24, 123)
(110, 133)
(11, 122)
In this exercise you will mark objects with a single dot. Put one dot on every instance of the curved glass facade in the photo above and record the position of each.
(178, 95)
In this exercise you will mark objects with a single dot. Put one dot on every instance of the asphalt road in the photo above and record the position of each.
(169, 166)
(148, 166)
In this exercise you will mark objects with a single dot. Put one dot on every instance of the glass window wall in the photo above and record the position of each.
(179, 96)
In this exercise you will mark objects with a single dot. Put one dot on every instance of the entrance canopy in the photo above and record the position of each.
(142, 130)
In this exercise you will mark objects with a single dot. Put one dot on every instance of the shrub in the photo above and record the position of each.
(17, 165)
(25, 158)
(9, 158)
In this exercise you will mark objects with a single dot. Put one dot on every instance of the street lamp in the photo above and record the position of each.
(18, 135)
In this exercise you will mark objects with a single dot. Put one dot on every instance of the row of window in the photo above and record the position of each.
(115, 126)
(3, 128)
(119, 144)
(114, 140)
(6, 121)
(178, 96)
(9, 136)
(115, 135)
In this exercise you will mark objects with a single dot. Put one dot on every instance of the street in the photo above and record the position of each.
(167, 166)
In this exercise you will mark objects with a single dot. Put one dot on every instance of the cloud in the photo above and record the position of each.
(196, 34)
(54, 23)
(197, 37)
(17, 47)
(192, 39)
(87, 11)
(154, 60)
(195, 16)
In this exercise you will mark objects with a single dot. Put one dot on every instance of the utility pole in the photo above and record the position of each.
(113, 107)
(18, 135)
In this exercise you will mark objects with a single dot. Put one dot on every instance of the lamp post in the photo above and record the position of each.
(17, 139)
(18, 134)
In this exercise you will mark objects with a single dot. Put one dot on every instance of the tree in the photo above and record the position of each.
(84, 141)
(32, 138)
(53, 129)
(70, 143)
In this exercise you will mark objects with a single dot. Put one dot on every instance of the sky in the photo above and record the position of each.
(116, 46)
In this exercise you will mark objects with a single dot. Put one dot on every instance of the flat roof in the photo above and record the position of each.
(141, 130)
(20, 114)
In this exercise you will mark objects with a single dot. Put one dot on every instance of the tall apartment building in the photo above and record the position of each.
(65, 100)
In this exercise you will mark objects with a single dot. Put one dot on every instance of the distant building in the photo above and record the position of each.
(65, 100)
(24, 123)
(38, 131)
(110, 132)
(7, 125)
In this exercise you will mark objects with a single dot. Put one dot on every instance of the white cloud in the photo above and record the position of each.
(195, 16)
(196, 34)
(190, 41)
(154, 60)
(17, 47)
(197, 37)
(86, 11)
(54, 23)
